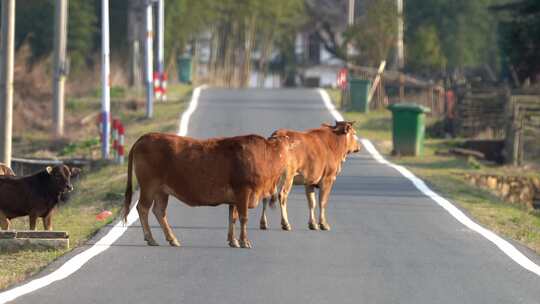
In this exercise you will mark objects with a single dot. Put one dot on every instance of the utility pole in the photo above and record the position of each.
(6, 79)
(105, 81)
(149, 60)
(350, 22)
(60, 65)
(399, 50)
(399, 42)
(161, 38)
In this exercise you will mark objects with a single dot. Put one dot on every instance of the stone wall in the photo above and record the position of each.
(513, 189)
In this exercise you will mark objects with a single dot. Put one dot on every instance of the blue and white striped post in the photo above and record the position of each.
(105, 81)
(149, 61)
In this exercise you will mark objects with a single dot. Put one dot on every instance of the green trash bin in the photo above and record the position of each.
(184, 69)
(408, 128)
(359, 92)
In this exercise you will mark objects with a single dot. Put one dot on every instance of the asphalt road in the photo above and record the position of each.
(388, 243)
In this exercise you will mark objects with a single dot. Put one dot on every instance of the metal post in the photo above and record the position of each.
(399, 53)
(60, 65)
(105, 80)
(149, 61)
(351, 12)
(350, 22)
(6, 79)
(161, 38)
(399, 46)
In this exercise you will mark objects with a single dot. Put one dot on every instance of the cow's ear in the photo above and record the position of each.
(75, 172)
(326, 125)
(352, 122)
(49, 169)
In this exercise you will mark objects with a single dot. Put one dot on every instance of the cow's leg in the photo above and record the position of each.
(233, 215)
(47, 221)
(264, 222)
(4, 221)
(324, 193)
(243, 214)
(32, 219)
(160, 211)
(283, 196)
(242, 207)
(143, 207)
(312, 203)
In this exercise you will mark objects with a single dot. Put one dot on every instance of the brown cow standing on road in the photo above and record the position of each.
(315, 160)
(237, 171)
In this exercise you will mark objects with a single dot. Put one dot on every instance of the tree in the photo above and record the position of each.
(328, 19)
(34, 25)
(425, 50)
(519, 37)
(374, 33)
(465, 29)
(82, 33)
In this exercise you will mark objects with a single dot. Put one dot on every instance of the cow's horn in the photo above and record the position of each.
(49, 169)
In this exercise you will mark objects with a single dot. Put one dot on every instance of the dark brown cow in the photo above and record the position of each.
(315, 160)
(237, 171)
(5, 170)
(34, 195)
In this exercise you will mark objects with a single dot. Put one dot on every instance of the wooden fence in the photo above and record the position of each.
(415, 91)
(480, 112)
(522, 144)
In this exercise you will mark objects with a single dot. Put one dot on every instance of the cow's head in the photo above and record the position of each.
(346, 128)
(61, 176)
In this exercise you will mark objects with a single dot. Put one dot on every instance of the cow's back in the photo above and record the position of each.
(313, 152)
(20, 196)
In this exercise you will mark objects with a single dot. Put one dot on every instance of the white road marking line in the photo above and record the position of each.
(509, 249)
(184, 121)
(76, 262)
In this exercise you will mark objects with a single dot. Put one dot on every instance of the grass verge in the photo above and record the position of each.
(445, 175)
(100, 189)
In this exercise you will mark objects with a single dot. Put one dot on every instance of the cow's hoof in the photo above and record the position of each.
(263, 226)
(152, 243)
(234, 243)
(313, 226)
(245, 244)
(174, 243)
(325, 226)
(286, 227)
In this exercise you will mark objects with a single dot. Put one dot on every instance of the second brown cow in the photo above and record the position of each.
(316, 157)
(237, 171)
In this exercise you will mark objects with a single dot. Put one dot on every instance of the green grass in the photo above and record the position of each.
(445, 174)
(100, 189)
(374, 126)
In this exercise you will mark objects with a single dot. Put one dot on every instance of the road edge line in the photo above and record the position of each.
(510, 250)
(76, 262)
(184, 119)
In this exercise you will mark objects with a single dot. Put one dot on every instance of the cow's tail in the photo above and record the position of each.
(129, 185)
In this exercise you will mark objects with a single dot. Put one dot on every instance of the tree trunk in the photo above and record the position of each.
(263, 61)
(249, 43)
